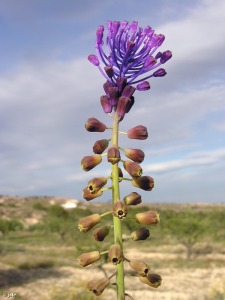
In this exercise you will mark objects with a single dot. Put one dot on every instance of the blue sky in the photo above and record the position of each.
(48, 90)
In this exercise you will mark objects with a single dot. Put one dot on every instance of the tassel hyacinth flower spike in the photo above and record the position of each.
(127, 57)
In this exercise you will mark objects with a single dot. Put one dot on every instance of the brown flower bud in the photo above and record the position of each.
(154, 280)
(120, 209)
(96, 184)
(106, 104)
(100, 233)
(144, 182)
(98, 286)
(128, 91)
(100, 146)
(137, 155)
(89, 162)
(87, 195)
(88, 258)
(140, 235)
(149, 217)
(109, 71)
(139, 132)
(115, 254)
(120, 174)
(122, 106)
(89, 222)
(113, 155)
(133, 168)
(121, 83)
(94, 125)
(132, 199)
(140, 267)
(113, 95)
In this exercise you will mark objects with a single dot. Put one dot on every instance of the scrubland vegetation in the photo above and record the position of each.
(39, 243)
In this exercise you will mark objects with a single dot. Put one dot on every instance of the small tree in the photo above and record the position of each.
(187, 228)
(9, 225)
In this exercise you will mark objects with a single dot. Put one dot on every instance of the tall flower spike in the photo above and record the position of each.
(127, 56)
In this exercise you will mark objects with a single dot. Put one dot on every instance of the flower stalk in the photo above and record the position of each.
(131, 53)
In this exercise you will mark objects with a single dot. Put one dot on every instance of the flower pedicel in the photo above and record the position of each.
(127, 56)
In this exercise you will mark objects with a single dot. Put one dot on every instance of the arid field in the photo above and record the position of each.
(38, 260)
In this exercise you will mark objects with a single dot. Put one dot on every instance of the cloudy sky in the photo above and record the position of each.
(48, 90)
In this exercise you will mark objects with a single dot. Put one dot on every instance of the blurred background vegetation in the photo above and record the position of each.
(37, 236)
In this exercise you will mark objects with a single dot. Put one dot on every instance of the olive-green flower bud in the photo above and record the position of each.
(120, 209)
(87, 195)
(140, 234)
(144, 182)
(133, 168)
(100, 146)
(89, 162)
(89, 222)
(113, 155)
(132, 199)
(88, 258)
(149, 217)
(154, 280)
(96, 184)
(115, 254)
(137, 155)
(100, 233)
(140, 267)
(94, 125)
(98, 286)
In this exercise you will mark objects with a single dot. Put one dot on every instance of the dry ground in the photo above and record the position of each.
(178, 283)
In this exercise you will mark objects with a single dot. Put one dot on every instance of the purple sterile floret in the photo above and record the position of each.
(129, 52)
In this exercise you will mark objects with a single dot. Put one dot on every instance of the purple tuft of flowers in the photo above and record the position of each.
(129, 52)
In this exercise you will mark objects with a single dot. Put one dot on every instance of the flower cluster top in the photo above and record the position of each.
(129, 51)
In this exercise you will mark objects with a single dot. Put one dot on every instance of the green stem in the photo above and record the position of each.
(117, 221)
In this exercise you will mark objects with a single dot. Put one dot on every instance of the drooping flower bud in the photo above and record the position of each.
(123, 104)
(140, 235)
(166, 55)
(121, 83)
(109, 71)
(132, 199)
(113, 155)
(133, 168)
(128, 91)
(140, 267)
(89, 162)
(100, 233)
(159, 73)
(87, 195)
(143, 86)
(154, 280)
(107, 85)
(87, 223)
(139, 132)
(115, 254)
(94, 125)
(97, 287)
(106, 104)
(149, 217)
(137, 155)
(144, 182)
(93, 59)
(120, 174)
(96, 184)
(130, 104)
(100, 146)
(88, 258)
(113, 95)
(120, 209)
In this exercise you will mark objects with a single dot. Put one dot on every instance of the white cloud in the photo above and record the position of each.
(195, 159)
